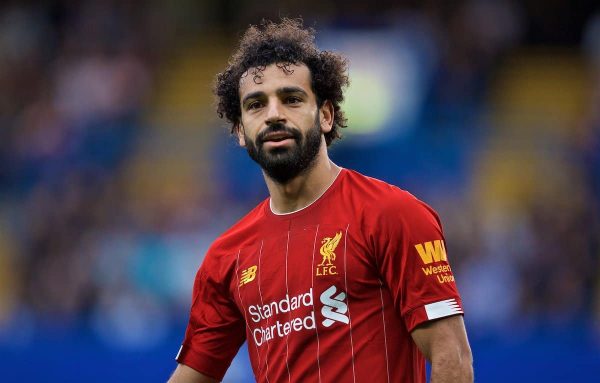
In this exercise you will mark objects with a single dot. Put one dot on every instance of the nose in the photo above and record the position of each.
(274, 112)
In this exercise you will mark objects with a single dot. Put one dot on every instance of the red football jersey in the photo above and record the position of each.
(329, 293)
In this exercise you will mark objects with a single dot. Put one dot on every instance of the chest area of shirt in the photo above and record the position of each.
(304, 278)
(291, 262)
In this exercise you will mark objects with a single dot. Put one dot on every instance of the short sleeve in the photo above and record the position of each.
(412, 258)
(216, 328)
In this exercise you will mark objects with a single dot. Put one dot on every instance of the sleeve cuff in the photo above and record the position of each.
(433, 310)
(205, 364)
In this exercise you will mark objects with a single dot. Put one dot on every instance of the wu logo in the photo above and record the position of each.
(327, 250)
(334, 307)
(248, 275)
(432, 251)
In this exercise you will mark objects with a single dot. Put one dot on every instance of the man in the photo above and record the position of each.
(336, 277)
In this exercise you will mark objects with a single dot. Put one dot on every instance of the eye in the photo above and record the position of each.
(254, 105)
(293, 100)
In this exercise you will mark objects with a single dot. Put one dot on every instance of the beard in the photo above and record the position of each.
(284, 164)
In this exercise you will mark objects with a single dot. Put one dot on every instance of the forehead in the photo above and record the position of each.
(275, 76)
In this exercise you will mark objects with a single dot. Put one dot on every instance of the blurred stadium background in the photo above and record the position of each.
(115, 174)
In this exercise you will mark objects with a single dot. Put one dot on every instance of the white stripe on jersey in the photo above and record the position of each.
(262, 304)
(348, 300)
(312, 273)
(387, 364)
(287, 293)
(237, 268)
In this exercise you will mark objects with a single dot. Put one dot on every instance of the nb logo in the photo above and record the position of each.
(334, 307)
(432, 251)
(248, 275)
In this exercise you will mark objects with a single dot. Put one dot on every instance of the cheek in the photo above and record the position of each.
(309, 120)
(252, 118)
(248, 127)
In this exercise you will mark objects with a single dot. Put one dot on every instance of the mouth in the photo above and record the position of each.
(277, 137)
(278, 140)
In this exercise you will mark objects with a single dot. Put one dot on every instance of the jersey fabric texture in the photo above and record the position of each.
(329, 293)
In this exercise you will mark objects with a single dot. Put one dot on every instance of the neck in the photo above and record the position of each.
(304, 189)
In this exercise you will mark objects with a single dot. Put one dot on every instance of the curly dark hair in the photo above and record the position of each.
(283, 43)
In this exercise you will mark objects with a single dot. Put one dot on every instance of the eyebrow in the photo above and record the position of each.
(249, 96)
(279, 92)
(291, 89)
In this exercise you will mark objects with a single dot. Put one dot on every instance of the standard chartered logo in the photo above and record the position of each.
(271, 324)
(334, 307)
(288, 305)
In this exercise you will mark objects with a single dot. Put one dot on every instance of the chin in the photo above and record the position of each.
(278, 152)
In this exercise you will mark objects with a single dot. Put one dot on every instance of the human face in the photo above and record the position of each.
(281, 123)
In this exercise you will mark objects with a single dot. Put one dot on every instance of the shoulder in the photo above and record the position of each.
(240, 233)
(222, 255)
(386, 200)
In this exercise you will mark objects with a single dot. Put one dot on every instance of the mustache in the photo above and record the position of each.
(278, 127)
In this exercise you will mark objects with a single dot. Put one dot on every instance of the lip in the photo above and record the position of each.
(277, 137)
(279, 143)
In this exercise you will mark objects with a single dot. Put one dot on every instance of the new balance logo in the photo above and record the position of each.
(433, 251)
(248, 275)
(334, 307)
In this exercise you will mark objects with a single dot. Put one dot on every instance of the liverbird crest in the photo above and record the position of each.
(328, 248)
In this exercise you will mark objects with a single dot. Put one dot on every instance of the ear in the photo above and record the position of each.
(326, 115)
(239, 131)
